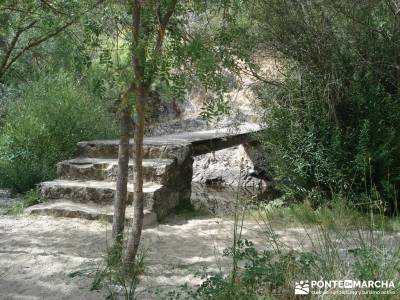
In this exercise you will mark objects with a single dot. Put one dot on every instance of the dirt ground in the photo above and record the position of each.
(37, 253)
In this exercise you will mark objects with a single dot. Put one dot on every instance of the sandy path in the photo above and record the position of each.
(38, 252)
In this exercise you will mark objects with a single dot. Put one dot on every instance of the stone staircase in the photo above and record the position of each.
(85, 186)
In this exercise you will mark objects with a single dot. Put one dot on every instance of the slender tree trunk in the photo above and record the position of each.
(121, 194)
(141, 91)
(137, 222)
(138, 68)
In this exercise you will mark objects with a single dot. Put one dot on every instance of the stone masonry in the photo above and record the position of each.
(85, 186)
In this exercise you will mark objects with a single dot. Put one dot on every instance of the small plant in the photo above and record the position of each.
(116, 276)
(259, 275)
(23, 201)
(338, 242)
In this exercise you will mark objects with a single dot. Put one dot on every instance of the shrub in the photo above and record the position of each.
(7, 94)
(43, 127)
(334, 122)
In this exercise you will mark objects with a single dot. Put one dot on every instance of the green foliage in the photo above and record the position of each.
(368, 265)
(336, 214)
(259, 275)
(27, 26)
(43, 127)
(334, 121)
(7, 95)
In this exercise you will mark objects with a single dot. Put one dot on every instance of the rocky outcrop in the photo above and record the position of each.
(242, 165)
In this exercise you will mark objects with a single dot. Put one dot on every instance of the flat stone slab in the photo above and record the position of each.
(190, 137)
(156, 163)
(106, 169)
(204, 141)
(101, 192)
(90, 211)
(148, 187)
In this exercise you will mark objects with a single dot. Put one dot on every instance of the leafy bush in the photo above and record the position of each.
(258, 275)
(43, 127)
(334, 121)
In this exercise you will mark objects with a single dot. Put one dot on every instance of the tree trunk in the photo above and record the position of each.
(121, 194)
(137, 222)
(141, 91)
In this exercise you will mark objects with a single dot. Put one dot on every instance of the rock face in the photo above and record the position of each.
(242, 165)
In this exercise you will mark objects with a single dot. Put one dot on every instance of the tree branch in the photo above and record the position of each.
(163, 21)
(52, 8)
(4, 64)
(33, 44)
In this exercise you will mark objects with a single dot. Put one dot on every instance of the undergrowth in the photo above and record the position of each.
(335, 242)
(22, 202)
(112, 274)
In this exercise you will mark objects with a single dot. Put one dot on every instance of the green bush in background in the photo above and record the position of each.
(43, 127)
(334, 119)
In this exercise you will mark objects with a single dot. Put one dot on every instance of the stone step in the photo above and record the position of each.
(91, 211)
(106, 169)
(99, 192)
(151, 149)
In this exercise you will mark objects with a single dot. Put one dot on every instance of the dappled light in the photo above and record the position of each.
(202, 150)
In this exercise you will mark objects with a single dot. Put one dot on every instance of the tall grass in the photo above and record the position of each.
(317, 244)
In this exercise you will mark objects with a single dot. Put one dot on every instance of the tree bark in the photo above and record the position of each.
(121, 194)
(138, 68)
(138, 207)
(141, 92)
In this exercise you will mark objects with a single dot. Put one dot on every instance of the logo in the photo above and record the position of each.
(302, 288)
(347, 286)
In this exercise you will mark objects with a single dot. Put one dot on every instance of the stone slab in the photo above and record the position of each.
(100, 192)
(91, 211)
(204, 141)
(105, 169)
